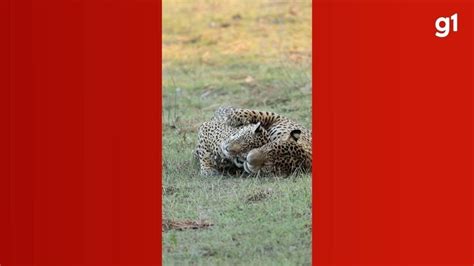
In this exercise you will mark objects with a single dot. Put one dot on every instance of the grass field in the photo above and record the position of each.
(252, 54)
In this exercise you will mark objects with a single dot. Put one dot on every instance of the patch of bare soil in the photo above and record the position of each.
(169, 224)
(259, 195)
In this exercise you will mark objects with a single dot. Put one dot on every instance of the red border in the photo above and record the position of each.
(81, 137)
(393, 134)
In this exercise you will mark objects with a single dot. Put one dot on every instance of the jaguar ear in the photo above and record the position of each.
(257, 128)
(295, 134)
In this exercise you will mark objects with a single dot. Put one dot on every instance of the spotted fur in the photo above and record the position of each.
(215, 154)
(288, 150)
(284, 156)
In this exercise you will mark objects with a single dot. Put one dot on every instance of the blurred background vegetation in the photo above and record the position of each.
(254, 54)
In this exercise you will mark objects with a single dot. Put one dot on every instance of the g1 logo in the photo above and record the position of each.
(443, 26)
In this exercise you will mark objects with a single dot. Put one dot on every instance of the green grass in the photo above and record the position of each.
(252, 54)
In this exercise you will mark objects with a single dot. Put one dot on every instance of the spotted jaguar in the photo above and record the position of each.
(288, 150)
(222, 148)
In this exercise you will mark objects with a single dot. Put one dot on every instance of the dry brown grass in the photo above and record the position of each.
(205, 31)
